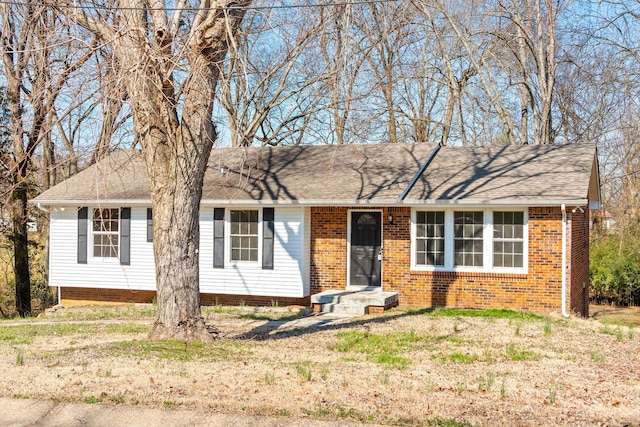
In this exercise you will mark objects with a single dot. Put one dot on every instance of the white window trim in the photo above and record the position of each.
(487, 247)
(91, 258)
(227, 240)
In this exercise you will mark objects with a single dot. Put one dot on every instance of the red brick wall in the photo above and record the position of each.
(328, 248)
(82, 296)
(538, 291)
(578, 262)
(88, 296)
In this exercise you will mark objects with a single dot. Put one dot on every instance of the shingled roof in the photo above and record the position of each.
(384, 174)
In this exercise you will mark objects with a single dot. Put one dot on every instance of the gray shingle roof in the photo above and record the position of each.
(354, 174)
(508, 173)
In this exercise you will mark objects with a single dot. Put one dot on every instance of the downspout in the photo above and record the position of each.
(564, 261)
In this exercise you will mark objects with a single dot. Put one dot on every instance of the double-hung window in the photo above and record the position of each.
(244, 235)
(508, 239)
(430, 238)
(105, 233)
(476, 240)
(468, 238)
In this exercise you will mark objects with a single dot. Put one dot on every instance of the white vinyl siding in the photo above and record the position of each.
(307, 251)
(98, 272)
(472, 242)
(287, 279)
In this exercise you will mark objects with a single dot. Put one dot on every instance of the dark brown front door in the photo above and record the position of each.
(366, 238)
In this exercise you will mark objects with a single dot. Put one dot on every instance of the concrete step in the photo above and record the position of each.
(353, 302)
(342, 308)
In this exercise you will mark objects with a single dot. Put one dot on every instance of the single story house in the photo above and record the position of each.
(467, 227)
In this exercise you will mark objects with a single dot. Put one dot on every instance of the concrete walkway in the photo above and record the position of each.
(25, 412)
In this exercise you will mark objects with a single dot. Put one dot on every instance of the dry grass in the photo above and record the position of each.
(403, 368)
(614, 314)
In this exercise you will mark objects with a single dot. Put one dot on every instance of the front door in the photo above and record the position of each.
(366, 256)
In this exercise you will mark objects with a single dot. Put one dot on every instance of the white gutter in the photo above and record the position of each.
(479, 204)
(471, 203)
(564, 261)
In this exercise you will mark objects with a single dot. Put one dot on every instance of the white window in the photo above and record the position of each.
(244, 235)
(105, 233)
(430, 238)
(508, 239)
(469, 240)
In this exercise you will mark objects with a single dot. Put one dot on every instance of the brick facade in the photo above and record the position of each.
(578, 261)
(537, 291)
(84, 296)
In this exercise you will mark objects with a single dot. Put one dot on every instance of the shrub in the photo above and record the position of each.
(615, 270)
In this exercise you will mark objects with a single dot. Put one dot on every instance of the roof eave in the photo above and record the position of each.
(326, 202)
(500, 202)
(101, 202)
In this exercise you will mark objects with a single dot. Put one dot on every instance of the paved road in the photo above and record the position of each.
(26, 412)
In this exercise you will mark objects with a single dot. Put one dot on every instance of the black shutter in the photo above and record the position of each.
(149, 225)
(218, 238)
(125, 236)
(267, 238)
(83, 214)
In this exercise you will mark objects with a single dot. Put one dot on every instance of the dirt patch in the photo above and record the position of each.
(615, 314)
(403, 368)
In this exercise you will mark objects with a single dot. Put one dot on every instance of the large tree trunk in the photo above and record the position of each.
(176, 153)
(18, 173)
(176, 219)
(177, 171)
(21, 251)
(176, 146)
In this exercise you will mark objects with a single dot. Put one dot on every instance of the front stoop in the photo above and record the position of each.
(353, 302)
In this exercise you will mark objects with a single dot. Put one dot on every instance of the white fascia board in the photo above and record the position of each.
(499, 203)
(381, 202)
(101, 202)
(326, 202)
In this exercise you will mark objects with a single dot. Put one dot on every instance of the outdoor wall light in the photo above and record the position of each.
(390, 219)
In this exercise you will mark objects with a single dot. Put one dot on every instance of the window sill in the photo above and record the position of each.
(104, 260)
(474, 270)
(243, 264)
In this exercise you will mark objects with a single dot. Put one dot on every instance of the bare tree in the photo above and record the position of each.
(456, 70)
(171, 57)
(383, 27)
(113, 97)
(37, 67)
(339, 56)
(535, 53)
(267, 88)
